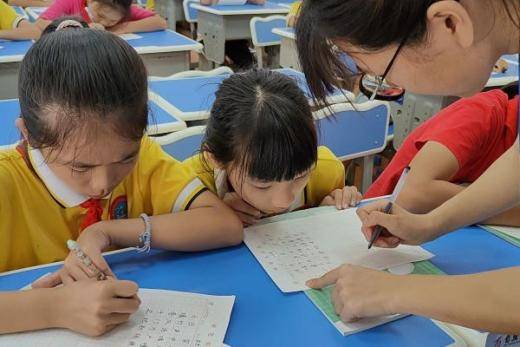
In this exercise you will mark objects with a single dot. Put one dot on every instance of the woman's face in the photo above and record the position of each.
(456, 59)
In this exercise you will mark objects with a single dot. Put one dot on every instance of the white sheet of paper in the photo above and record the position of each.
(165, 318)
(511, 231)
(128, 37)
(294, 251)
(232, 2)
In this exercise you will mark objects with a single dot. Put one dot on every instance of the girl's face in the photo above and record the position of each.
(103, 14)
(268, 197)
(94, 167)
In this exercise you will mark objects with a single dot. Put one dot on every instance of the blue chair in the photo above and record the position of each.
(262, 35)
(355, 131)
(182, 144)
(9, 112)
(191, 15)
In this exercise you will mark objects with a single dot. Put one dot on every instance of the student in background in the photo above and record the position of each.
(238, 50)
(451, 150)
(118, 16)
(260, 153)
(14, 27)
(293, 13)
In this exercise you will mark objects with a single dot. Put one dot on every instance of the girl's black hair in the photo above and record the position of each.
(123, 6)
(261, 123)
(368, 24)
(77, 79)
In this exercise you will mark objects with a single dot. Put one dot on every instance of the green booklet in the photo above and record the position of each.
(510, 234)
(321, 298)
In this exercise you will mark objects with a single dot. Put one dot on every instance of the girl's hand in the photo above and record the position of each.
(360, 292)
(247, 213)
(95, 307)
(401, 226)
(93, 241)
(96, 26)
(343, 198)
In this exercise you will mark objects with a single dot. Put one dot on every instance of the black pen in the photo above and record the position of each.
(388, 208)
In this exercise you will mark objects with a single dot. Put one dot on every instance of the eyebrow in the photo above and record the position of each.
(88, 165)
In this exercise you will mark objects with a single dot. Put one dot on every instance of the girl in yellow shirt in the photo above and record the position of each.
(85, 172)
(260, 154)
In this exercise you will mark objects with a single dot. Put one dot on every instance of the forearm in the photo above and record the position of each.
(144, 25)
(426, 196)
(193, 230)
(30, 3)
(25, 32)
(28, 310)
(482, 301)
(510, 218)
(497, 190)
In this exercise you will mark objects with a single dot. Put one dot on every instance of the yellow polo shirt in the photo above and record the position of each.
(39, 213)
(328, 175)
(8, 17)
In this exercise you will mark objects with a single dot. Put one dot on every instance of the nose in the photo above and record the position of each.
(101, 182)
(283, 199)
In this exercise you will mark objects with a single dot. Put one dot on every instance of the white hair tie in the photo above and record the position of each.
(69, 23)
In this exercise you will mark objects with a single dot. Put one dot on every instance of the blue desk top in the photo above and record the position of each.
(160, 121)
(163, 41)
(192, 98)
(227, 10)
(264, 316)
(13, 51)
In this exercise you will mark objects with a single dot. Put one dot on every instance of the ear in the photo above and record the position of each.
(20, 124)
(453, 19)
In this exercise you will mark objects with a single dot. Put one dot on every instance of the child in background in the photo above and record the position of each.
(14, 27)
(118, 16)
(260, 152)
(293, 14)
(452, 149)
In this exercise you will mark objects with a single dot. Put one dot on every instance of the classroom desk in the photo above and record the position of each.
(11, 55)
(171, 10)
(288, 51)
(164, 52)
(35, 12)
(264, 316)
(220, 23)
(191, 98)
(160, 120)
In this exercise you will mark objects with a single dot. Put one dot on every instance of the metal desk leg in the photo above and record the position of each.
(289, 55)
(368, 169)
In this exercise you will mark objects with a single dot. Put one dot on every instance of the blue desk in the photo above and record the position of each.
(164, 52)
(160, 121)
(191, 98)
(263, 316)
(9, 112)
(220, 23)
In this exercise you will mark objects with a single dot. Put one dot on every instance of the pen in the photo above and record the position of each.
(379, 229)
(85, 259)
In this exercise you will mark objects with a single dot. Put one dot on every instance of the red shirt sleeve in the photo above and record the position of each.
(60, 8)
(138, 13)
